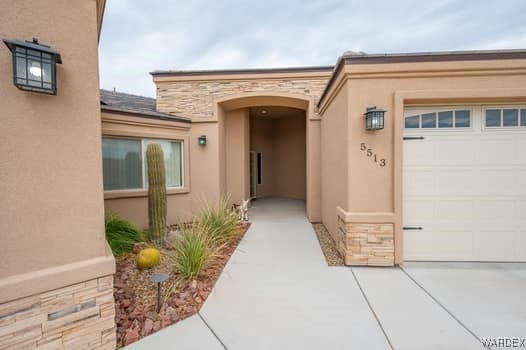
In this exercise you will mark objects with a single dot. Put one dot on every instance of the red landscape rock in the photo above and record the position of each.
(172, 313)
(136, 296)
(147, 328)
(132, 335)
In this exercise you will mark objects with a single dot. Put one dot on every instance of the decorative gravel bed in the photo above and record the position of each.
(136, 295)
(328, 246)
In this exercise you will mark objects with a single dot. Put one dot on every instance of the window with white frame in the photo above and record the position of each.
(508, 117)
(124, 163)
(460, 118)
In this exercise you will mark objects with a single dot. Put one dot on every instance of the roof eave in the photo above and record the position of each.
(157, 115)
(241, 71)
(439, 56)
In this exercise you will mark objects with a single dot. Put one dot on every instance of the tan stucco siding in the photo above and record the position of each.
(237, 155)
(374, 193)
(51, 213)
(334, 159)
(196, 98)
(290, 157)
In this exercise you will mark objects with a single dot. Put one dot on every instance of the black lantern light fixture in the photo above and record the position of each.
(374, 118)
(202, 140)
(34, 66)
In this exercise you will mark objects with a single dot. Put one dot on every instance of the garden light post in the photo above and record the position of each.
(158, 278)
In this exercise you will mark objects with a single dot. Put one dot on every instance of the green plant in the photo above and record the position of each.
(193, 251)
(218, 221)
(121, 235)
(156, 193)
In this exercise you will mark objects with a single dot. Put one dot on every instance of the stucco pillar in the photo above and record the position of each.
(237, 154)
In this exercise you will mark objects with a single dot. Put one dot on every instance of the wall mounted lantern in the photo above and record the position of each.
(202, 140)
(374, 118)
(34, 66)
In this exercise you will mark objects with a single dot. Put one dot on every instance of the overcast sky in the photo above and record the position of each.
(139, 36)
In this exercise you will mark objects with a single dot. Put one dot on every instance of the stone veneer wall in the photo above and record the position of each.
(80, 316)
(369, 244)
(195, 99)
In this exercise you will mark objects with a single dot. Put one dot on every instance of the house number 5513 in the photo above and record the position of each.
(370, 153)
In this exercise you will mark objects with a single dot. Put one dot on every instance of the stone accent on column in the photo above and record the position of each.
(370, 244)
(80, 316)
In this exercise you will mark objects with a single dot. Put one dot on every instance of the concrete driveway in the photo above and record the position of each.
(277, 292)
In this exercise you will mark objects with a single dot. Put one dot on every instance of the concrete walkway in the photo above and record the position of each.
(277, 292)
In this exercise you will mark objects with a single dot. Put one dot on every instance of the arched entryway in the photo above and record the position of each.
(269, 147)
(278, 159)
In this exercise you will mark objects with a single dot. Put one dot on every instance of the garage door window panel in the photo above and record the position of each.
(462, 119)
(445, 119)
(413, 122)
(493, 118)
(510, 117)
(429, 120)
(449, 119)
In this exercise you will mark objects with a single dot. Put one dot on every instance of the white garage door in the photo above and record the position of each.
(465, 183)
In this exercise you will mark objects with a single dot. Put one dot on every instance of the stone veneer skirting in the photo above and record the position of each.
(80, 316)
(370, 244)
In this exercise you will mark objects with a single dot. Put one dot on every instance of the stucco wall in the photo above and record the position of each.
(374, 193)
(51, 212)
(289, 134)
(334, 161)
(237, 155)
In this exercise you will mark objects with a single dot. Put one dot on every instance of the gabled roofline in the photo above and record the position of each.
(242, 71)
(351, 58)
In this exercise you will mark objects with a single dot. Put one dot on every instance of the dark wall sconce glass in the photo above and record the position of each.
(202, 140)
(34, 66)
(374, 118)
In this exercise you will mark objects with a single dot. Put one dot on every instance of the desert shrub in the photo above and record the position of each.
(121, 235)
(194, 250)
(218, 221)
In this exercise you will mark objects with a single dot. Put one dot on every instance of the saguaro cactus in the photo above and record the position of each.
(156, 193)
